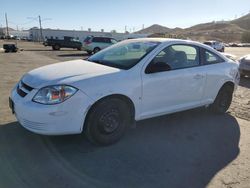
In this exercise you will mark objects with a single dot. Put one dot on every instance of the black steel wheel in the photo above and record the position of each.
(107, 121)
(223, 100)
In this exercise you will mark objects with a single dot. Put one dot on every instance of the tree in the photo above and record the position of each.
(245, 37)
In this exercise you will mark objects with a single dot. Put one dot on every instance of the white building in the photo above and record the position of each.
(35, 34)
(20, 34)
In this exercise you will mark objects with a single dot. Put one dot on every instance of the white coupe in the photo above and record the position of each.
(129, 81)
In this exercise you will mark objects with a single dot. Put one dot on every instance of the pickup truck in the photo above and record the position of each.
(67, 42)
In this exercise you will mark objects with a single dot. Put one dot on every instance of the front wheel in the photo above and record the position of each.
(56, 47)
(107, 121)
(223, 100)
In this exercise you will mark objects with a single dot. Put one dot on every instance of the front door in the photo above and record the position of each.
(179, 88)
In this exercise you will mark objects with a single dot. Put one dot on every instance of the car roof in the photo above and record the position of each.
(155, 40)
(167, 40)
(176, 41)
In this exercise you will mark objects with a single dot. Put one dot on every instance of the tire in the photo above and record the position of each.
(56, 47)
(96, 49)
(223, 100)
(89, 52)
(107, 121)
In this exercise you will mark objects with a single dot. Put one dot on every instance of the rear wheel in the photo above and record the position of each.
(223, 100)
(56, 47)
(107, 121)
(96, 49)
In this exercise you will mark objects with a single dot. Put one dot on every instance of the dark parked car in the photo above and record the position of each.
(67, 42)
(216, 45)
(10, 48)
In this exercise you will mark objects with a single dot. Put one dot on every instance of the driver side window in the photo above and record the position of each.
(176, 57)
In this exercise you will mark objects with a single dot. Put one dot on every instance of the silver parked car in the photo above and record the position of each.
(94, 44)
(216, 45)
(244, 66)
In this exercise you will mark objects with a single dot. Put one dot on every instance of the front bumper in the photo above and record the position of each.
(60, 119)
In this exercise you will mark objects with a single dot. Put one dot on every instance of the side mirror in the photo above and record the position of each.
(157, 67)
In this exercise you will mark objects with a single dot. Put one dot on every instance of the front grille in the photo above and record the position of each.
(23, 89)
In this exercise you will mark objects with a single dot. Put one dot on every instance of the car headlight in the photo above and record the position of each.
(54, 94)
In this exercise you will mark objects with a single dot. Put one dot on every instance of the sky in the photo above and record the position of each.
(116, 14)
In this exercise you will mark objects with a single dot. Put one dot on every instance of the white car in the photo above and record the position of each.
(216, 45)
(129, 81)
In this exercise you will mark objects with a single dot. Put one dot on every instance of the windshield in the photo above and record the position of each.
(124, 55)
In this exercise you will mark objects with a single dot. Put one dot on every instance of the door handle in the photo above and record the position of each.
(198, 76)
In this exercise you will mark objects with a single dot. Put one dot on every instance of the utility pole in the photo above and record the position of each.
(41, 31)
(39, 38)
(7, 27)
(125, 29)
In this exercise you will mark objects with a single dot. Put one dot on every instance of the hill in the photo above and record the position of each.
(154, 29)
(227, 31)
(243, 22)
(5, 28)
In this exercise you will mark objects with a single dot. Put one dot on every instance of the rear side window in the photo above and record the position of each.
(211, 58)
(98, 39)
(101, 39)
(107, 40)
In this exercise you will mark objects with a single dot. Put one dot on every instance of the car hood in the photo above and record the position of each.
(62, 73)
